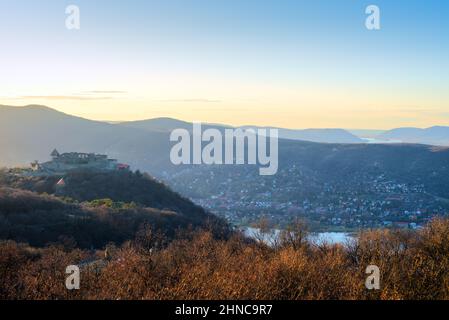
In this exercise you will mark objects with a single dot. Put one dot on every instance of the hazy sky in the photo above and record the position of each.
(294, 64)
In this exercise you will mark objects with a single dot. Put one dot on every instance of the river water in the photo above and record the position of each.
(316, 238)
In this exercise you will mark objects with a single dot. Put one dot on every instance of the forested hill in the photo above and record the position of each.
(93, 208)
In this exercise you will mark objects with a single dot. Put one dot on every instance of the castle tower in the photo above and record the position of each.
(55, 154)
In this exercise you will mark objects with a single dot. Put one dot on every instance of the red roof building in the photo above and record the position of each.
(61, 183)
(122, 166)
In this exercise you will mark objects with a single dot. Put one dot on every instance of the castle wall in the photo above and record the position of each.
(75, 161)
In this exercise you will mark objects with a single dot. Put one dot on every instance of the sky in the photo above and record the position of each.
(286, 63)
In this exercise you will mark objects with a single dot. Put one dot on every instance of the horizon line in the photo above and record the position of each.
(115, 122)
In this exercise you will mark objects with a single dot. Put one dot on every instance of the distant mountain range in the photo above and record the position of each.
(437, 135)
(30, 133)
(314, 135)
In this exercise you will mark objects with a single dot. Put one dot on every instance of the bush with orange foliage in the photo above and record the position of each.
(413, 265)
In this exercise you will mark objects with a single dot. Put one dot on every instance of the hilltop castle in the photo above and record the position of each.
(62, 163)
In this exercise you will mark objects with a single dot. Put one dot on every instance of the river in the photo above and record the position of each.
(316, 238)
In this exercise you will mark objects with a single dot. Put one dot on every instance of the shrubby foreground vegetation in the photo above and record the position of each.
(133, 238)
(197, 265)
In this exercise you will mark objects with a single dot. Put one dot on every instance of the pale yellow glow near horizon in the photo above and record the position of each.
(295, 107)
(261, 113)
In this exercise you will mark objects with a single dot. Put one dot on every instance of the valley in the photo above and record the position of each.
(333, 186)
